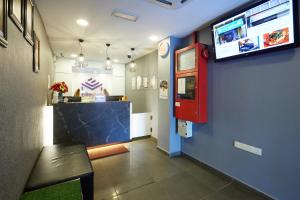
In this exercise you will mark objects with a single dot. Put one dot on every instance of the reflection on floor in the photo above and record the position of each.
(147, 174)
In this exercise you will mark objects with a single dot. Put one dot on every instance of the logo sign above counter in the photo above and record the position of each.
(91, 84)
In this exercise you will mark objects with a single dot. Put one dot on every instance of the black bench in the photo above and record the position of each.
(58, 164)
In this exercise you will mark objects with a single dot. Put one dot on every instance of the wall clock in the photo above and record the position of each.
(163, 48)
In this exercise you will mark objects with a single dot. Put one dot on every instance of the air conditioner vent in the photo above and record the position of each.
(171, 4)
(168, 3)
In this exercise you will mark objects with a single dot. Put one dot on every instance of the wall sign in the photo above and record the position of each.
(3, 23)
(16, 11)
(36, 53)
(163, 48)
(153, 82)
(138, 82)
(163, 89)
(145, 82)
(91, 84)
(28, 21)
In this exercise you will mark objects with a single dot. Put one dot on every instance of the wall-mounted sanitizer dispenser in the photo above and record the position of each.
(190, 88)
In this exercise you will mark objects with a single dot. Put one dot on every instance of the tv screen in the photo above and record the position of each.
(262, 27)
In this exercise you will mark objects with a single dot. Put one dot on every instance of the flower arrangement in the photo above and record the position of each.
(60, 87)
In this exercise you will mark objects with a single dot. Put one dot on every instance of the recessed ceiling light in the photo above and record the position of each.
(82, 22)
(125, 15)
(116, 60)
(153, 38)
(73, 55)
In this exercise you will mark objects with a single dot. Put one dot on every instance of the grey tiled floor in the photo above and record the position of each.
(145, 173)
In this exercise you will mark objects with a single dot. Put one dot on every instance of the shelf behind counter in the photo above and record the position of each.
(91, 124)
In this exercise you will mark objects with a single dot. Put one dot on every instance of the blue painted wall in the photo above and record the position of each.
(255, 100)
(175, 139)
(168, 140)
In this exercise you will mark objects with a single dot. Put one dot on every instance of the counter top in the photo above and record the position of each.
(92, 102)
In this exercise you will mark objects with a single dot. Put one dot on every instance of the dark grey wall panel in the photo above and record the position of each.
(143, 100)
(23, 96)
(254, 100)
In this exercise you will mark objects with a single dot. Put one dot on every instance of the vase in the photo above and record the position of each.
(60, 97)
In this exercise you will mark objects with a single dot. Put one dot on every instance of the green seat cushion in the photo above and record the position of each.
(65, 191)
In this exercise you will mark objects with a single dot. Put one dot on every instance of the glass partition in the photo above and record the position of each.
(187, 60)
(186, 87)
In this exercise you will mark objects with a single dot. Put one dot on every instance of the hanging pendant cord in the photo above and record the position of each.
(107, 46)
(80, 44)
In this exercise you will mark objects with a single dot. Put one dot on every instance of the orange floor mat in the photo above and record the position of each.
(105, 151)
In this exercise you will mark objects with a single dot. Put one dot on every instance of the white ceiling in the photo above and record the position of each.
(60, 18)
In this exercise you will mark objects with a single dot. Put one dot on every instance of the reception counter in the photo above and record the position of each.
(91, 124)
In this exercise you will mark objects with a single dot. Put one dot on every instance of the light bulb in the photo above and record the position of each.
(81, 58)
(108, 62)
(132, 65)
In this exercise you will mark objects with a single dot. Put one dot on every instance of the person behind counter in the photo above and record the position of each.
(105, 92)
(77, 93)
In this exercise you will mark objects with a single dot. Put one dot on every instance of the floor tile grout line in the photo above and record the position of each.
(137, 188)
(144, 185)
(218, 190)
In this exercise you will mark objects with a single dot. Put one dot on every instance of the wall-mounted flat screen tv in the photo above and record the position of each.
(262, 27)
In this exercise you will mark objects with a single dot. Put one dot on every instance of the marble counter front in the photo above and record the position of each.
(91, 124)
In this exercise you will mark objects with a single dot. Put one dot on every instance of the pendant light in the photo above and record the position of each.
(132, 64)
(108, 66)
(80, 61)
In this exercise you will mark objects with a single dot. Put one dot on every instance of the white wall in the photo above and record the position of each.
(141, 124)
(114, 82)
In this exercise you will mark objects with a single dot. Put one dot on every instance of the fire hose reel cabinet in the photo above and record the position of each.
(191, 84)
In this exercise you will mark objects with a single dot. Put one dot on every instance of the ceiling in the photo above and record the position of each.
(60, 17)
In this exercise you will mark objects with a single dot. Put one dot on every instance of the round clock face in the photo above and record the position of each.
(163, 48)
